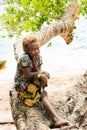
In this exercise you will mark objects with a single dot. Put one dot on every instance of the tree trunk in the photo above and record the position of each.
(63, 27)
(72, 106)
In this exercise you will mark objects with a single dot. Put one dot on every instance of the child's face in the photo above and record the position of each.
(34, 50)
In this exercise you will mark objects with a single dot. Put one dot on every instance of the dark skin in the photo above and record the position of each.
(34, 52)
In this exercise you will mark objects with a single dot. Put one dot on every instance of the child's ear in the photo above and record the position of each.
(25, 47)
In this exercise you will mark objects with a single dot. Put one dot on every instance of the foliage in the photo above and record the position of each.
(30, 15)
(83, 7)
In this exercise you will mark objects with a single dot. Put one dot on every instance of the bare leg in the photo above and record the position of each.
(57, 120)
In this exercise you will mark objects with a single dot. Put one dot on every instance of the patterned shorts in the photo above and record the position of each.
(31, 95)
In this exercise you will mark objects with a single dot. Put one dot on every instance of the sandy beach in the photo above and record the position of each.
(65, 68)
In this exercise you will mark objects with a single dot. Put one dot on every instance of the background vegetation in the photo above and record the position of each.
(30, 15)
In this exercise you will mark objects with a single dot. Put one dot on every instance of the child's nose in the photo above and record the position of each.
(37, 52)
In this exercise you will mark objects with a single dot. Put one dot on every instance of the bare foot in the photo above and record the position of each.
(61, 122)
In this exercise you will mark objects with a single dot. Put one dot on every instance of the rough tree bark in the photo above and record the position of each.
(73, 106)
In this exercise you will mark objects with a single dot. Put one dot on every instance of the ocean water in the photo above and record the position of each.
(60, 57)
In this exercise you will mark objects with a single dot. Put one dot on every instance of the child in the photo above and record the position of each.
(30, 80)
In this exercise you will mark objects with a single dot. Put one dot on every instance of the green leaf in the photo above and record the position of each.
(49, 44)
(30, 15)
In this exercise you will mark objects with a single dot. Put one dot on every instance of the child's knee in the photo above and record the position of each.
(44, 80)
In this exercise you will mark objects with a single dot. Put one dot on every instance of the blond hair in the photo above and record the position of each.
(27, 40)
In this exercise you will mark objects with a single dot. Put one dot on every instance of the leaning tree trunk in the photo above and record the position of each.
(62, 27)
(73, 105)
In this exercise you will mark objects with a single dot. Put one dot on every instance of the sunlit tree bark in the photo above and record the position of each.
(63, 27)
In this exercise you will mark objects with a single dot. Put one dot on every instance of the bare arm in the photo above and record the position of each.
(29, 73)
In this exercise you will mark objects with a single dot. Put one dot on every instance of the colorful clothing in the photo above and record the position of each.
(29, 90)
(31, 95)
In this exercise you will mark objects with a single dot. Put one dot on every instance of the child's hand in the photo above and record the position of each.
(35, 60)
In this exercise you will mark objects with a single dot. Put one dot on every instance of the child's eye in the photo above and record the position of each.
(33, 50)
(38, 48)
